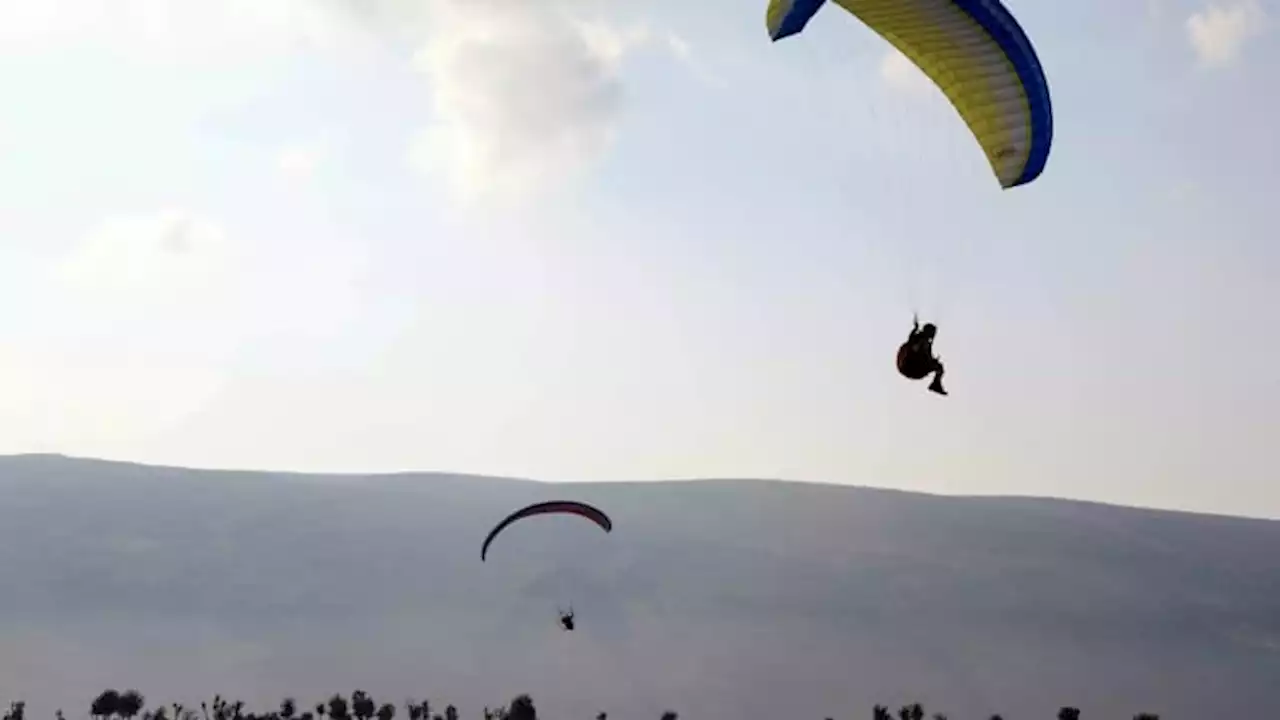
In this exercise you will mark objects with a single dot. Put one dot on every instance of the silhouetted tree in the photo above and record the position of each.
(17, 711)
(1146, 716)
(670, 715)
(1069, 713)
(914, 711)
(338, 708)
(881, 712)
(522, 709)
(288, 707)
(386, 711)
(104, 706)
(131, 703)
(418, 710)
(362, 706)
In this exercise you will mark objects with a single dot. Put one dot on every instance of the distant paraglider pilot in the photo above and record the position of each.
(550, 507)
(915, 356)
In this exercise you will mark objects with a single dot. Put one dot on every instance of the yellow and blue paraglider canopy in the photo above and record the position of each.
(977, 54)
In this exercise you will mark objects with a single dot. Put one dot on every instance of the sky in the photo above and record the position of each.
(597, 240)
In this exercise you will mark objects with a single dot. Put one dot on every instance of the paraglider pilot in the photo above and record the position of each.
(915, 356)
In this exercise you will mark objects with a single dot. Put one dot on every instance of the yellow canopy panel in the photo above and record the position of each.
(977, 54)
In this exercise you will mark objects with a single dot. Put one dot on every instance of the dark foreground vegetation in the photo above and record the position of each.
(131, 705)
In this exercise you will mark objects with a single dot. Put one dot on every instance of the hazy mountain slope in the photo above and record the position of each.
(718, 598)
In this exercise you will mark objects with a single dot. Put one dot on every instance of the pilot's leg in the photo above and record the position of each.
(936, 385)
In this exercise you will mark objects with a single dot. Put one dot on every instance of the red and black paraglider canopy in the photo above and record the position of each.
(569, 507)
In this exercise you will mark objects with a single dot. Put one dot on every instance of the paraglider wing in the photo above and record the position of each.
(977, 54)
(555, 506)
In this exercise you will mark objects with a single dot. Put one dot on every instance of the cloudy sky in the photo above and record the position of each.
(592, 239)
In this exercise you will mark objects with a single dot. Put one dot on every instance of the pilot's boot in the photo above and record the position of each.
(936, 385)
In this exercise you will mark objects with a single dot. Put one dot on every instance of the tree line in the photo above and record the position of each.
(359, 705)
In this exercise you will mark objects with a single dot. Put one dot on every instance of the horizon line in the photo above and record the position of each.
(338, 476)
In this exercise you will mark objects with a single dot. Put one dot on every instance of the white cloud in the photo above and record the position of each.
(176, 283)
(170, 252)
(129, 342)
(682, 51)
(899, 73)
(1220, 31)
(110, 79)
(171, 28)
(525, 93)
(167, 282)
(300, 160)
(91, 404)
(679, 47)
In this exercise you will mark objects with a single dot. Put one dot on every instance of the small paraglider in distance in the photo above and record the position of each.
(916, 360)
(554, 507)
